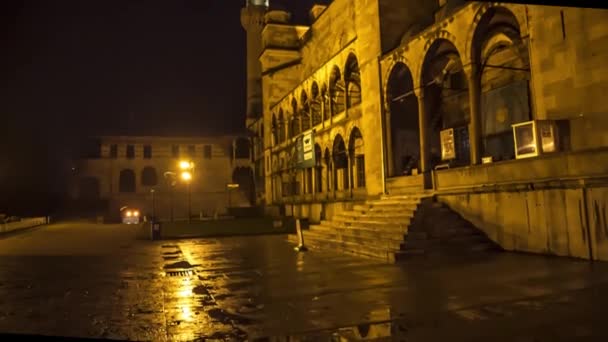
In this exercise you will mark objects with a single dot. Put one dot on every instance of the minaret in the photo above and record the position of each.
(252, 19)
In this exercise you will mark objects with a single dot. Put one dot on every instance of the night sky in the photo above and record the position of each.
(75, 68)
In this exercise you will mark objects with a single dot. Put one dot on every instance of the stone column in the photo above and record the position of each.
(423, 129)
(473, 80)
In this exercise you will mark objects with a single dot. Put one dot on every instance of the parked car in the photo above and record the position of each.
(130, 215)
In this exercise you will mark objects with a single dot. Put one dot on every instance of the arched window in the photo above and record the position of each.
(336, 92)
(357, 157)
(353, 81)
(315, 105)
(275, 130)
(295, 119)
(340, 163)
(126, 181)
(281, 126)
(326, 103)
(305, 111)
(148, 176)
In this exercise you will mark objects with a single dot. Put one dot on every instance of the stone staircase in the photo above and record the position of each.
(396, 227)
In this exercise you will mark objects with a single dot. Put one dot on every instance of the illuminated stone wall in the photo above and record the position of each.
(208, 186)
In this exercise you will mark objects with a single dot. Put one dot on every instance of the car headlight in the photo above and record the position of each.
(129, 214)
(136, 213)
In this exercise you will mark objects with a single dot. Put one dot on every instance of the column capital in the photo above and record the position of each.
(470, 69)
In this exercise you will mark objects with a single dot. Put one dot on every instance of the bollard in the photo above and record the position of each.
(154, 230)
(301, 247)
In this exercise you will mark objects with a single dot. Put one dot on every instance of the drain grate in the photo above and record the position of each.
(186, 273)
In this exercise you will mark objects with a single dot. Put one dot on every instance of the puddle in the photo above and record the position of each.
(227, 317)
(200, 290)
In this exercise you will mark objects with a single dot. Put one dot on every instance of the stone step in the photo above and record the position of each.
(397, 236)
(389, 209)
(407, 195)
(348, 247)
(372, 223)
(380, 215)
(374, 242)
(375, 229)
(412, 203)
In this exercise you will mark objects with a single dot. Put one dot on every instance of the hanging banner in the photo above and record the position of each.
(305, 150)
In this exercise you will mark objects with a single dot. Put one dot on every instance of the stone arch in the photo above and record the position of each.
(440, 36)
(326, 102)
(315, 104)
(305, 111)
(481, 14)
(126, 182)
(403, 121)
(281, 126)
(336, 91)
(328, 169)
(294, 122)
(274, 130)
(318, 170)
(148, 176)
(446, 101)
(503, 73)
(352, 79)
(243, 176)
(340, 163)
(357, 157)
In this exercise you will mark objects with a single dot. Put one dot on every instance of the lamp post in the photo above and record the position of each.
(187, 168)
(170, 177)
(153, 218)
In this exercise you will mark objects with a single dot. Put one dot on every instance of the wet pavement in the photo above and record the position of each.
(87, 280)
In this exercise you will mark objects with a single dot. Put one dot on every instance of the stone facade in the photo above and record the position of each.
(377, 81)
(142, 171)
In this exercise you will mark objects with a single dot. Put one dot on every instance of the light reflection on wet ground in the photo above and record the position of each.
(258, 288)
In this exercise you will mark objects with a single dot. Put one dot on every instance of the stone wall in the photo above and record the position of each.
(555, 204)
(564, 222)
(23, 224)
(573, 76)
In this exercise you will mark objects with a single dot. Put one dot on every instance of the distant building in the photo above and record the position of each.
(144, 172)
(495, 109)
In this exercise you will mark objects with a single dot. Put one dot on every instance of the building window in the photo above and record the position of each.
(113, 151)
(191, 151)
(207, 151)
(147, 151)
(130, 151)
(175, 151)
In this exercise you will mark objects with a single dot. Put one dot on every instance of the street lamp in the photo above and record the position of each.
(187, 168)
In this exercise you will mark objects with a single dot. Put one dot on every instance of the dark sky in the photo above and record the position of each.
(72, 68)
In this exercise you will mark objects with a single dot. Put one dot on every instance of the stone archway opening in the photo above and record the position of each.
(446, 101)
(357, 157)
(503, 75)
(340, 164)
(243, 176)
(403, 122)
(316, 105)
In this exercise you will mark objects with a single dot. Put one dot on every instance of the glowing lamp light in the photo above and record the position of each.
(185, 165)
(187, 176)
